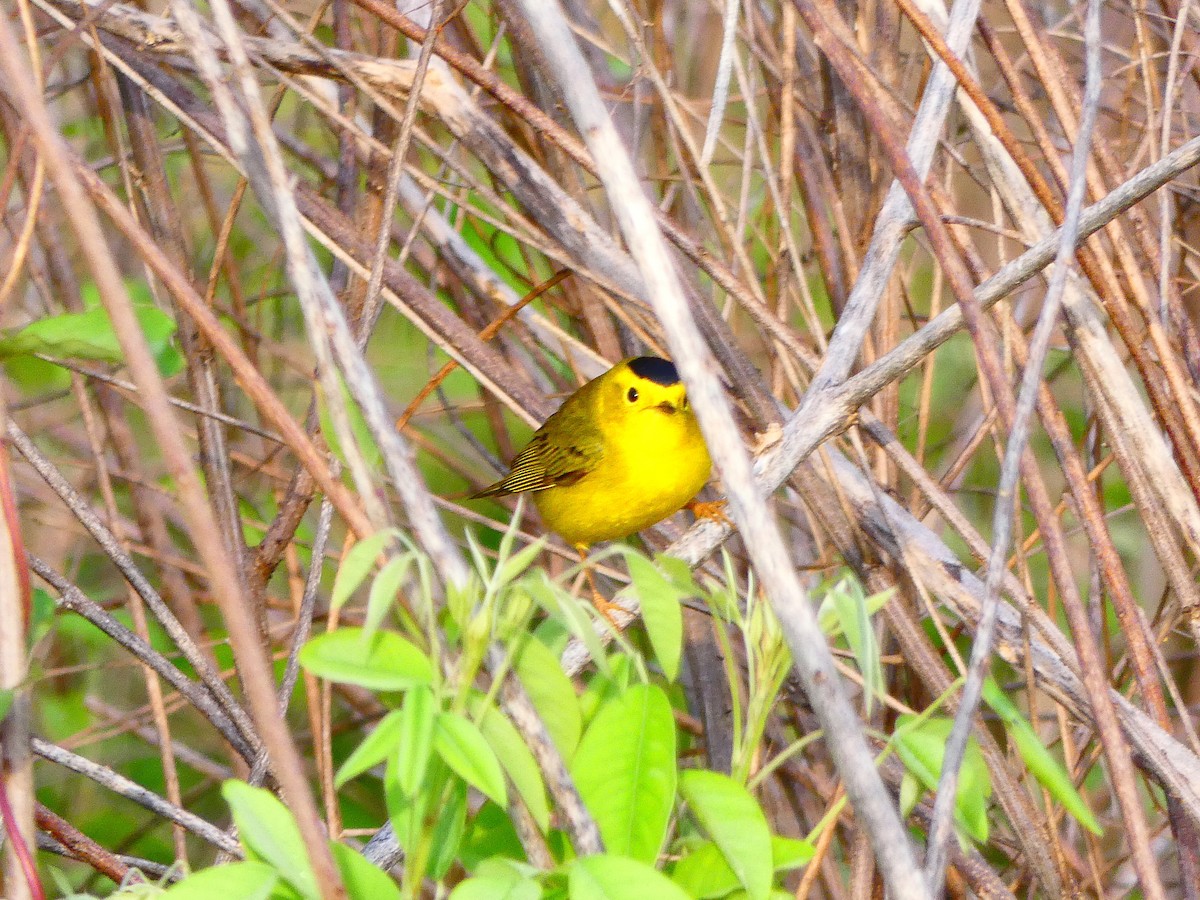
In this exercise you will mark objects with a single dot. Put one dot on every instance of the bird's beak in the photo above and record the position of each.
(668, 407)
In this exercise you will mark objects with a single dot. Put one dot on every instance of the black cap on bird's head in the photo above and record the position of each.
(654, 368)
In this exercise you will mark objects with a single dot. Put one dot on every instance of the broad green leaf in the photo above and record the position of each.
(6, 699)
(498, 883)
(1052, 776)
(34, 375)
(406, 812)
(496, 889)
(90, 336)
(244, 880)
(733, 819)
(506, 868)
(42, 613)
(517, 761)
(625, 771)
(854, 618)
(464, 749)
(567, 610)
(363, 881)
(921, 746)
(680, 575)
(418, 718)
(605, 686)
(790, 853)
(385, 662)
(516, 565)
(384, 589)
(703, 873)
(268, 830)
(435, 813)
(910, 793)
(827, 617)
(489, 835)
(508, 539)
(448, 830)
(661, 612)
(373, 750)
(552, 694)
(357, 564)
(610, 877)
(1045, 767)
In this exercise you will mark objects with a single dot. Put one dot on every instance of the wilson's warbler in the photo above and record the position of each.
(622, 452)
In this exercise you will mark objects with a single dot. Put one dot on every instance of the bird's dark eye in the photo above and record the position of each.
(632, 395)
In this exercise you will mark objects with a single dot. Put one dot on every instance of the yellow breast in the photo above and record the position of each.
(652, 465)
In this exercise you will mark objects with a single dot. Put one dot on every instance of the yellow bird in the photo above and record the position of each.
(622, 453)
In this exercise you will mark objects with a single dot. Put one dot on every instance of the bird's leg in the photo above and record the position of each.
(709, 509)
(603, 606)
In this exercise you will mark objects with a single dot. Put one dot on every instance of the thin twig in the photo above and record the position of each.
(1002, 519)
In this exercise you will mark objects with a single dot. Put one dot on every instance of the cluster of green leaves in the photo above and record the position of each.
(920, 740)
(456, 774)
(667, 833)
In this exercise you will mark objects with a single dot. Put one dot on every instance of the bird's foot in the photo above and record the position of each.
(603, 605)
(713, 510)
(608, 609)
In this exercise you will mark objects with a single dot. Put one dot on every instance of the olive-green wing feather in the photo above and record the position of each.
(555, 456)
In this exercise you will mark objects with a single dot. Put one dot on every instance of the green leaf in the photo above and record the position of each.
(680, 575)
(569, 611)
(418, 716)
(385, 662)
(921, 746)
(854, 619)
(464, 749)
(625, 771)
(827, 616)
(661, 612)
(407, 812)
(734, 820)
(517, 761)
(499, 879)
(496, 889)
(448, 830)
(552, 693)
(243, 880)
(703, 873)
(605, 686)
(1044, 766)
(610, 877)
(490, 834)
(910, 793)
(6, 700)
(357, 564)
(267, 829)
(514, 567)
(363, 881)
(42, 615)
(384, 589)
(790, 853)
(90, 336)
(374, 749)
(33, 376)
